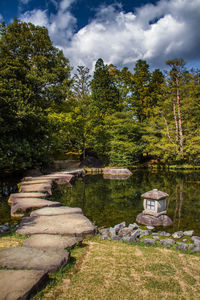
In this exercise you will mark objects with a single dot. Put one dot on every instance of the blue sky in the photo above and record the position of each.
(120, 32)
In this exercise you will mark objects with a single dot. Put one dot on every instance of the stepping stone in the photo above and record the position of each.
(53, 211)
(20, 284)
(45, 188)
(25, 195)
(21, 205)
(20, 258)
(116, 172)
(50, 241)
(39, 181)
(71, 224)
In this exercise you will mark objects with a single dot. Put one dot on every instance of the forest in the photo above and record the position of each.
(124, 117)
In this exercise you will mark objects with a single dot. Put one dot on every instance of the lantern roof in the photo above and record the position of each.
(154, 195)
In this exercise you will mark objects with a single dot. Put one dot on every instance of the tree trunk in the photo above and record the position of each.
(179, 117)
(176, 122)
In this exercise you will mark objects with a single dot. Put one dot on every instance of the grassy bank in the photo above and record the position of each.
(115, 270)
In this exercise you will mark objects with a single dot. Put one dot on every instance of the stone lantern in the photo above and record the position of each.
(154, 212)
(155, 203)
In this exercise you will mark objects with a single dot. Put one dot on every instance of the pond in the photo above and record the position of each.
(108, 202)
(8, 185)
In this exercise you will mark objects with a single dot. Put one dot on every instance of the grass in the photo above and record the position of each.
(111, 270)
(11, 240)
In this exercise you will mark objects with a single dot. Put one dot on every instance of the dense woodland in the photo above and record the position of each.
(123, 116)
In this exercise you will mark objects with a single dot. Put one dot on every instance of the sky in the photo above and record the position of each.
(120, 32)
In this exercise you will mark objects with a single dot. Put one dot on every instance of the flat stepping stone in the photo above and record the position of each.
(117, 172)
(53, 211)
(42, 188)
(20, 258)
(26, 195)
(50, 241)
(20, 284)
(39, 181)
(71, 224)
(22, 205)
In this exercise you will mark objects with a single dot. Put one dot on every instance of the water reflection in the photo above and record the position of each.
(108, 202)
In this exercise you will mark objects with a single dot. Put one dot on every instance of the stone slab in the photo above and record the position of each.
(20, 205)
(20, 258)
(53, 211)
(162, 220)
(26, 195)
(71, 224)
(50, 241)
(20, 284)
(41, 188)
(117, 172)
(38, 181)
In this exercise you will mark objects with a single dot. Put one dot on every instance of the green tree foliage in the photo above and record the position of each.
(141, 99)
(105, 95)
(124, 145)
(34, 76)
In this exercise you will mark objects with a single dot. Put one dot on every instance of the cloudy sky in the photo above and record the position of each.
(120, 32)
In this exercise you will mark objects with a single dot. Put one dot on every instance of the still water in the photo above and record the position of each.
(8, 185)
(108, 202)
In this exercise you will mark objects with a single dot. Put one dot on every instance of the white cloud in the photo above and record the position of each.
(154, 32)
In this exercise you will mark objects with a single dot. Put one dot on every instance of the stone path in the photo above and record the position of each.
(53, 229)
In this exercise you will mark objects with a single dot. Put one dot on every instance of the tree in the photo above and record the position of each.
(34, 76)
(141, 102)
(105, 96)
(81, 83)
(176, 80)
(124, 139)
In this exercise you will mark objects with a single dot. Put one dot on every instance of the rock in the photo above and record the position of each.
(116, 238)
(117, 172)
(162, 220)
(135, 234)
(118, 227)
(104, 237)
(195, 238)
(38, 181)
(22, 205)
(20, 258)
(133, 226)
(163, 233)
(182, 246)
(150, 227)
(132, 238)
(26, 195)
(144, 232)
(72, 224)
(155, 237)
(53, 211)
(149, 241)
(20, 284)
(167, 242)
(125, 231)
(50, 241)
(104, 230)
(112, 232)
(196, 249)
(178, 234)
(188, 232)
(42, 188)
